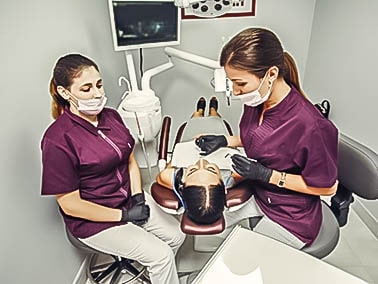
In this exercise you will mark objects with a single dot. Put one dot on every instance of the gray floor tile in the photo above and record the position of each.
(360, 272)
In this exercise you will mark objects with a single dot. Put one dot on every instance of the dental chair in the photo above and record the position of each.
(121, 270)
(168, 201)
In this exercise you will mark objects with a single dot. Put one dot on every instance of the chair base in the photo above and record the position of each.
(121, 270)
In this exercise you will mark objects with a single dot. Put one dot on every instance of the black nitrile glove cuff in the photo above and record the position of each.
(138, 199)
(265, 174)
(125, 217)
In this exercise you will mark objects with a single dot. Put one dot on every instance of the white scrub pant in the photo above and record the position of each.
(153, 245)
(265, 226)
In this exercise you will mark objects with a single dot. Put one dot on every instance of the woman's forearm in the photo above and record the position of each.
(72, 204)
(135, 177)
(297, 183)
(234, 141)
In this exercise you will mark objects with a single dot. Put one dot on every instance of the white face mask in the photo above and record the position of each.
(91, 106)
(255, 98)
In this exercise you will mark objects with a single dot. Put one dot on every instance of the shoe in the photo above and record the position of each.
(201, 104)
(214, 103)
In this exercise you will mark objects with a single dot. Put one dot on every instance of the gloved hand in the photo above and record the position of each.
(210, 143)
(137, 214)
(250, 169)
(137, 199)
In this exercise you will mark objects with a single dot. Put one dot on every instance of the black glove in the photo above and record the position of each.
(210, 143)
(137, 214)
(137, 199)
(250, 169)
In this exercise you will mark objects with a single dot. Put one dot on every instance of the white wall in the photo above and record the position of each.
(342, 67)
(33, 35)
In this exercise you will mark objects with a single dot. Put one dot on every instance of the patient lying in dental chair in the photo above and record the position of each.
(200, 184)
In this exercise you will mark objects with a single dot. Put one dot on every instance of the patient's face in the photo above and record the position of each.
(202, 173)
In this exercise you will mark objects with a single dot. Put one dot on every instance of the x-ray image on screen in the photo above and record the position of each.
(137, 24)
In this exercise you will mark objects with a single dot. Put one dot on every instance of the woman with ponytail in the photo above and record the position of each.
(291, 148)
(89, 166)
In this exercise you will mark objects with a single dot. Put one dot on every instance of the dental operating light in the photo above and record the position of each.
(206, 8)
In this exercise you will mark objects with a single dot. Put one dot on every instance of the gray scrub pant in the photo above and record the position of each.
(265, 226)
(153, 245)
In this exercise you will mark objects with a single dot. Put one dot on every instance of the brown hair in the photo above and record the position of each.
(204, 205)
(256, 50)
(66, 69)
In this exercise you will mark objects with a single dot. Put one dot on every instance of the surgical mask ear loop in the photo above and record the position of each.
(177, 189)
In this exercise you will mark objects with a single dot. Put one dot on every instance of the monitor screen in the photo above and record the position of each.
(141, 24)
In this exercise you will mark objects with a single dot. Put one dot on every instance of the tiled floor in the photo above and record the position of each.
(356, 253)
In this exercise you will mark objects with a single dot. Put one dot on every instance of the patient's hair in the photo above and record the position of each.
(256, 50)
(204, 205)
(67, 68)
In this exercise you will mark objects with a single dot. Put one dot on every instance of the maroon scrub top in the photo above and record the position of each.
(95, 160)
(295, 138)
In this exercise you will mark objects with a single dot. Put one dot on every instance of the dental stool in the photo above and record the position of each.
(119, 268)
(357, 174)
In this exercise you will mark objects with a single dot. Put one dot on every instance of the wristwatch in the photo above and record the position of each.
(282, 180)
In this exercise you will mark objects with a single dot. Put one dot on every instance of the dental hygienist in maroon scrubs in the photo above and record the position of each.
(291, 146)
(88, 164)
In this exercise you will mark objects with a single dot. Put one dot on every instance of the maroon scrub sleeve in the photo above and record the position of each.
(319, 155)
(59, 173)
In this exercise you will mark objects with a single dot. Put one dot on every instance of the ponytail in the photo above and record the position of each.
(290, 73)
(57, 103)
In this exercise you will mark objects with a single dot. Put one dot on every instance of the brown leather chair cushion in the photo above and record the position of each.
(237, 196)
(191, 228)
(164, 196)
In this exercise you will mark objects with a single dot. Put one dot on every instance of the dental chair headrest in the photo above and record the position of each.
(358, 168)
(191, 228)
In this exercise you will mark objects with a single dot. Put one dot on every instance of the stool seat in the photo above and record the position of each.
(327, 237)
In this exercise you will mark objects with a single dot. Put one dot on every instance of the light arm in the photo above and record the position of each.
(135, 177)
(297, 183)
(72, 204)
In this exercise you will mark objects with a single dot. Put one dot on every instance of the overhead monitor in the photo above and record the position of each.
(142, 24)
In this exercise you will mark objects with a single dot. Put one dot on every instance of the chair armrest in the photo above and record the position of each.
(238, 195)
(358, 168)
(165, 197)
(164, 138)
